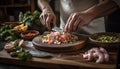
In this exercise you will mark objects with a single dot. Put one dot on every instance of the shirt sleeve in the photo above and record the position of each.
(117, 2)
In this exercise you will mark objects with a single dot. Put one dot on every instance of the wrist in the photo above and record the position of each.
(91, 14)
(47, 9)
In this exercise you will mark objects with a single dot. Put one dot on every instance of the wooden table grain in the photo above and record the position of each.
(65, 60)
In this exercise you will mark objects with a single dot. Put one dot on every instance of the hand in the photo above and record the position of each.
(47, 17)
(77, 20)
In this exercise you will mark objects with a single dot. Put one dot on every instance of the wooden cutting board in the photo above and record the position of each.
(66, 59)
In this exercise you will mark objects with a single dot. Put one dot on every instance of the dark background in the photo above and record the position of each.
(112, 24)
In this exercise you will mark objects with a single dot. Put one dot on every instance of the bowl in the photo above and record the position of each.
(29, 34)
(58, 48)
(108, 40)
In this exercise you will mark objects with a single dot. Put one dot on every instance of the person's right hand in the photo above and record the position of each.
(47, 16)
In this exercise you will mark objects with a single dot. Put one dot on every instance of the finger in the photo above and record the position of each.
(68, 21)
(44, 18)
(54, 21)
(41, 20)
(69, 18)
(71, 23)
(80, 25)
(66, 26)
(76, 24)
(48, 20)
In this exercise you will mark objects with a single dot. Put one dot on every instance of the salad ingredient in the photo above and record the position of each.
(58, 38)
(16, 50)
(24, 55)
(107, 38)
(9, 47)
(21, 28)
(105, 54)
(30, 34)
(13, 54)
(98, 54)
(7, 33)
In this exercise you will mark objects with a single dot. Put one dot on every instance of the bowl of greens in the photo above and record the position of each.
(105, 39)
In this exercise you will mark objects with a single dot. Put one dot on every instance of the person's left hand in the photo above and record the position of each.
(77, 20)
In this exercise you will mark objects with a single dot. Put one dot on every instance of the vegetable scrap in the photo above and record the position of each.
(16, 49)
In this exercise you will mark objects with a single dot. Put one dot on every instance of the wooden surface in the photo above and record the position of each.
(65, 59)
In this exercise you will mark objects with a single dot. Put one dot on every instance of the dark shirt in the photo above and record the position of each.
(113, 22)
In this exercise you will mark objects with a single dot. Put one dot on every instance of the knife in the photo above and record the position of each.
(55, 28)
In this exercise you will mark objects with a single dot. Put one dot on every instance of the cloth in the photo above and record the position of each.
(37, 53)
(69, 6)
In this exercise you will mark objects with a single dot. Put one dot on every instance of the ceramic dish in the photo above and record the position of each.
(58, 47)
(105, 39)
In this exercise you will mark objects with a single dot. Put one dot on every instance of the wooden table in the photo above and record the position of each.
(66, 60)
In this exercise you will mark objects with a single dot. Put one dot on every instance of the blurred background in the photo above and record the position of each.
(10, 9)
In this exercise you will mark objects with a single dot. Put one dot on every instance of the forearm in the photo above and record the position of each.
(105, 7)
(43, 4)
